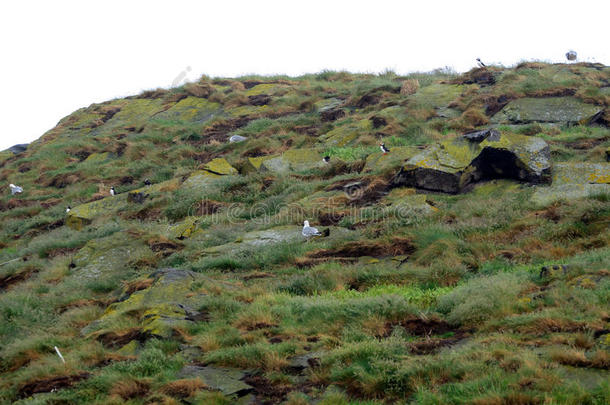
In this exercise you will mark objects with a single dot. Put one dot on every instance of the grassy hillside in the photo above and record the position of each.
(455, 270)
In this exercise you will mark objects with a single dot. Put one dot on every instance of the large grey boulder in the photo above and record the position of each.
(19, 148)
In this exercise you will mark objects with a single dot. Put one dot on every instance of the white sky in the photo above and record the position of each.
(58, 56)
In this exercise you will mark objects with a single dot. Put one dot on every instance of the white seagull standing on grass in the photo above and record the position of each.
(15, 189)
(309, 231)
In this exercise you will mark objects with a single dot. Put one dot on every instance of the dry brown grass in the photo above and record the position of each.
(183, 388)
(129, 287)
(202, 90)
(130, 388)
(409, 86)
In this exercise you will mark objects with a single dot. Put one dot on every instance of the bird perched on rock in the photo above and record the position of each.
(481, 64)
(571, 55)
(309, 231)
(112, 192)
(326, 159)
(15, 189)
(68, 209)
(383, 148)
(147, 182)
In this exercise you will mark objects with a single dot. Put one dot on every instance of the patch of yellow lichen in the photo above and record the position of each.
(265, 88)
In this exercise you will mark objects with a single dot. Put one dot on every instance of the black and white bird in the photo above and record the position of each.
(147, 182)
(481, 64)
(383, 148)
(15, 189)
(326, 159)
(68, 209)
(112, 192)
(571, 55)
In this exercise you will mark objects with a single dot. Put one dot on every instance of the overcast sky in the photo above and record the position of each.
(58, 56)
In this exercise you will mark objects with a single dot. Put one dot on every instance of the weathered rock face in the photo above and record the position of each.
(84, 214)
(292, 160)
(108, 255)
(347, 134)
(220, 166)
(20, 148)
(393, 160)
(168, 303)
(575, 180)
(214, 169)
(564, 110)
(452, 166)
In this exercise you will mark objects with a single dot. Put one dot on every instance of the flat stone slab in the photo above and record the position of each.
(575, 180)
(565, 110)
(226, 380)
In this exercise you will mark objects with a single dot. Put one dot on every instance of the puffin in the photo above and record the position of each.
(326, 159)
(147, 182)
(112, 192)
(383, 148)
(68, 209)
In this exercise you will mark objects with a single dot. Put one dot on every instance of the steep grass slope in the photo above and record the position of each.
(200, 288)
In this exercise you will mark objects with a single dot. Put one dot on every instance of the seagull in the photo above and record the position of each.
(112, 192)
(326, 159)
(309, 231)
(481, 64)
(15, 189)
(68, 209)
(383, 148)
(147, 182)
(237, 138)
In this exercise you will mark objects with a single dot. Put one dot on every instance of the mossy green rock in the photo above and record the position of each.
(109, 255)
(293, 160)
(134, 112)
(220, 166)
(287, 233)
(264, 88)
(97, 157)
(406, 203)
(575, 180)
(84, 214)
(565, 110)
(191, 109)
(347, 134)
(201, 179)
(436, 95)
(184, 229)
(451, 166)
(398, 155)
(167, 304)
(328, 104)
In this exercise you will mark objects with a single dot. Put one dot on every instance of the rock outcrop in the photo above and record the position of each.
(453, 165)
(167, 304)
